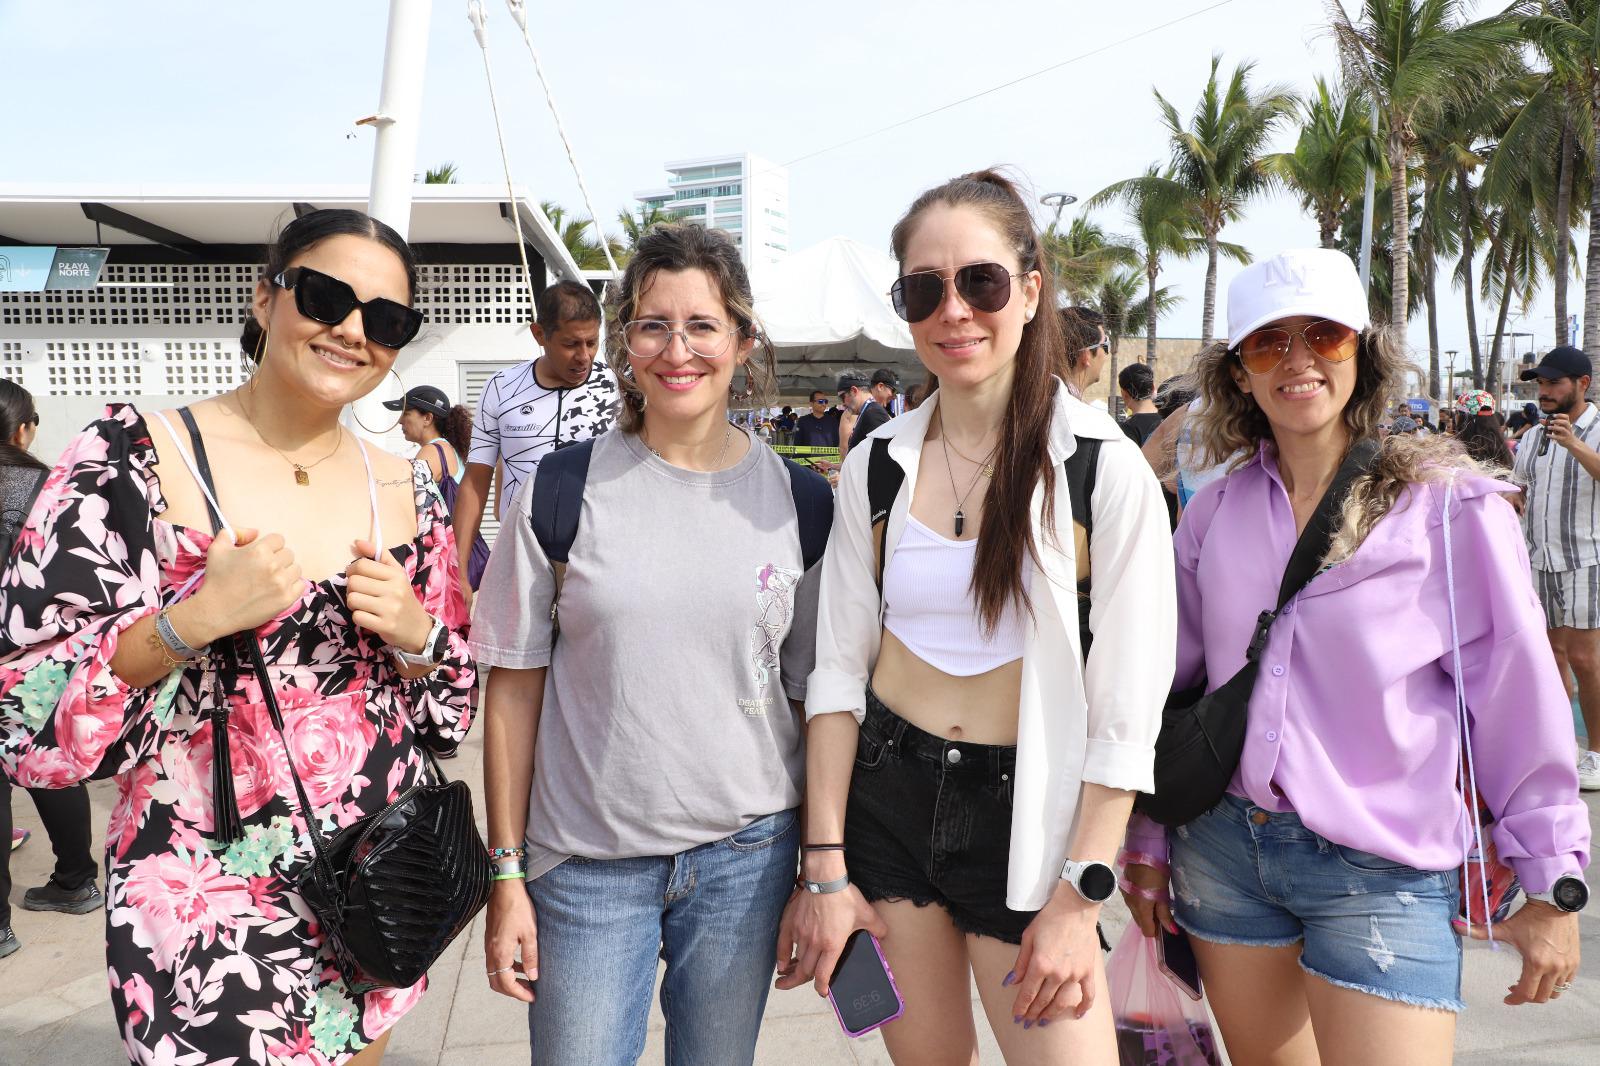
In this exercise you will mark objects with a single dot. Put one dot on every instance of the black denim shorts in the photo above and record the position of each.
(929, 821)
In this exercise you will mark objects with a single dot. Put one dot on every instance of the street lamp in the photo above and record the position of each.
(1058, 200)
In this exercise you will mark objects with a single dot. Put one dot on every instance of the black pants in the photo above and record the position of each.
(65, 813)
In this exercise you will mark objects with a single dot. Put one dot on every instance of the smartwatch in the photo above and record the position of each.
(1094, 881)
(1568, 894)
(433, 648)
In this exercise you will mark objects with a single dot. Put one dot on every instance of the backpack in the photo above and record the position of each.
(449, 489)
(558, 501)
(885, 476)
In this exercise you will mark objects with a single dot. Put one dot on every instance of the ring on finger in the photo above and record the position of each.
(501, 970)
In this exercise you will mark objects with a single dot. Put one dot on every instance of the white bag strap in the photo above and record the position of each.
(194, 472)
(1466, 769)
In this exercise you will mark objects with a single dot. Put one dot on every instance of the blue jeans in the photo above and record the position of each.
(711, 913)
(1242, 875)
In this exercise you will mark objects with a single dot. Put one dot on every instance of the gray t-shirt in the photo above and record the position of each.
(686, 626)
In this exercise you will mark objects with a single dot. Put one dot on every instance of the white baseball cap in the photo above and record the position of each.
(1305, 281)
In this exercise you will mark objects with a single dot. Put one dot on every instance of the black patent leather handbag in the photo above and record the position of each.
(392, 890)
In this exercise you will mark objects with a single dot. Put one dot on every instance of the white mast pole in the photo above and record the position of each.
(399, 117)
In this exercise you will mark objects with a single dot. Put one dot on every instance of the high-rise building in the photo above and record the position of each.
(743, 194)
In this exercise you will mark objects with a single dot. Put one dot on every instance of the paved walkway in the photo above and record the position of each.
(53, 996)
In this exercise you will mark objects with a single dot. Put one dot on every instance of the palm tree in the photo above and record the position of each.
(634, 225)
(1328, 167)
(1082, 256)
(1126, 313)
(1522, 253)
(1412, 57)
(584, 249)
(1167, 224)
(1567, 34)
(1217, 157)
(443, 174)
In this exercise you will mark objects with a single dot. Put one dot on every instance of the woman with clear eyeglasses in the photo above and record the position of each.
(643, 768)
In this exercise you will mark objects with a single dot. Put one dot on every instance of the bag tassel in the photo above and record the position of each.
(227, 825)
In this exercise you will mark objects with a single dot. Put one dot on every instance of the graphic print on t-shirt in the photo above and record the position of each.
(519, 421)
(775, 586)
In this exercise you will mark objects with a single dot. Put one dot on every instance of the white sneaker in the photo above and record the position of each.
(1589, 771)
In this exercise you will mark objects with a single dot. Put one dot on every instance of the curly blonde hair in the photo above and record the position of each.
(676, 246)
(1230, 427)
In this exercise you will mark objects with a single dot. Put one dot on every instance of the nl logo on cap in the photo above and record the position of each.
(1288, 271)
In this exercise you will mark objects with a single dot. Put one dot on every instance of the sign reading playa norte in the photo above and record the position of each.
(34, 268)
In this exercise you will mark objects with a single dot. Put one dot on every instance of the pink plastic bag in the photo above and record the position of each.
(1157, 1023)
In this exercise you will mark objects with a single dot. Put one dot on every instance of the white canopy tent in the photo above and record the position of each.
(827, 308)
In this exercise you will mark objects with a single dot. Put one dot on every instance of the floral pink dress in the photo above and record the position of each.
(213, 958)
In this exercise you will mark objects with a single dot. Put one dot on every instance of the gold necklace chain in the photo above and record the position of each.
(302, 471)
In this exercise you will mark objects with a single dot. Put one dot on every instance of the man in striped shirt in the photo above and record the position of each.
(1558, 465)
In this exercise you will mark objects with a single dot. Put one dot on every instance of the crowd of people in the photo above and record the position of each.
(735, 715)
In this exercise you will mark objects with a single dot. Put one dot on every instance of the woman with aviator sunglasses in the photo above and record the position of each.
(152, 543)
(974, 766)
(1407, 678)
(642, 759)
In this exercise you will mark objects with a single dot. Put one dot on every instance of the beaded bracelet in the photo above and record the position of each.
(508, 853)
(1127, 858)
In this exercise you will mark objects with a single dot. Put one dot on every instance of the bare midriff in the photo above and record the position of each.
(981, 709)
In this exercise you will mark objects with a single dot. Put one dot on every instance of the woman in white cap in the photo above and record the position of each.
(1320, 889)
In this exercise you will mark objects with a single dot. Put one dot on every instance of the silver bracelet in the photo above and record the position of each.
(823, 888)
(170, 638)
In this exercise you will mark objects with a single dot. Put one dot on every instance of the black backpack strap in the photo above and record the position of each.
(813, 509)
(558, 499)
(884, 478)
(1306, 559)
(1081, 467)
(557, 502)
(1080, 470)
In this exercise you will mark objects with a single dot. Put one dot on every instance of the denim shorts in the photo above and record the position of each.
(1242, 875)
(929, 821)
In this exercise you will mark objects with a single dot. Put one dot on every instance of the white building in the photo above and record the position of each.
(744, 194)
(161, 328)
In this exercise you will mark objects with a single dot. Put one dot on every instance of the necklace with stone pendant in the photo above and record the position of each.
(984, 471)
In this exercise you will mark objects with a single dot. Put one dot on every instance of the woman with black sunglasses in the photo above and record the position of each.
(971, 764)
(254, 512)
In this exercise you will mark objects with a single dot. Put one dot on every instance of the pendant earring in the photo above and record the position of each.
(380, 432)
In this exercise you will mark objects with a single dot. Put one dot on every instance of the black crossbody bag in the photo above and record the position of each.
(391, 890)
(1202, 733)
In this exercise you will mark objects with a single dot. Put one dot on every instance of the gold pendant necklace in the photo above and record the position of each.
(302, 471)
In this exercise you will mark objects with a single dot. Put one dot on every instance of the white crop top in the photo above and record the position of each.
(928, 606)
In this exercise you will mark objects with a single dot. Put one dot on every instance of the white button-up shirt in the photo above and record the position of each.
(1077, 723)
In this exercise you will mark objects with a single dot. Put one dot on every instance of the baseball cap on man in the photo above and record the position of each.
(423, 398)
(886, 376)
(1306, 281)
(1563, 362)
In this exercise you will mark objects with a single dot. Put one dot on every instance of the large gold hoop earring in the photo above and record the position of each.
(380, 432)
(253, 364)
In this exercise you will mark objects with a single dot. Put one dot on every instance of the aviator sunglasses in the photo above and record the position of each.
(985, 287)
(1261, 352)
(328, 300)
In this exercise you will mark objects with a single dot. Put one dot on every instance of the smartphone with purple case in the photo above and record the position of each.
(862, 990)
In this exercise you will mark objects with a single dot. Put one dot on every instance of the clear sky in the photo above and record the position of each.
(185, 91)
